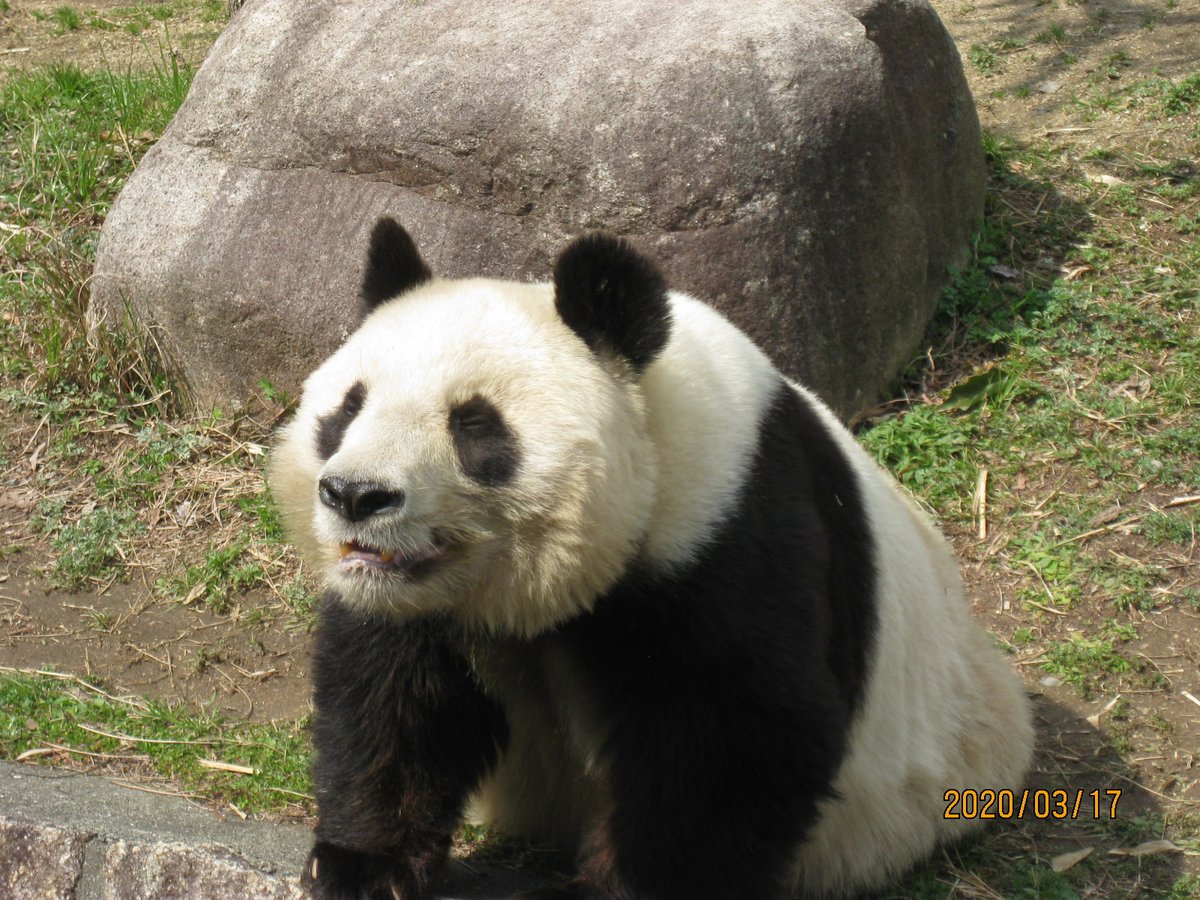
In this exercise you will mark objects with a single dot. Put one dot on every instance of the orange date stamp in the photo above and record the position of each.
(1035, 803)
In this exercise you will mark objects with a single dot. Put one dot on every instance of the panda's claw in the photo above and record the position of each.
(339, 873)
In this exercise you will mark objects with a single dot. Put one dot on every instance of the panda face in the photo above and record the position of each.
(466, 452)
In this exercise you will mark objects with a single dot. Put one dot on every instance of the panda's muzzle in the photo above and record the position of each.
(356, 501)
(356, 557)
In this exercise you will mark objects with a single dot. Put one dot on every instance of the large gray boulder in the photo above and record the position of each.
(809, 166)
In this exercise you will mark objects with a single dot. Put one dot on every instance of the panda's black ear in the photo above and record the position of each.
(613, 297)
(393, 265)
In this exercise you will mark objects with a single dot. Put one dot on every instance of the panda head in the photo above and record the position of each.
(479, 447)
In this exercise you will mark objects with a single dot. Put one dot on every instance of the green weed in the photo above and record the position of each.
(1186, 888)
(1178, 527)
(985, 60)
(929, 451)
(215, 10)
(301, 602)
(1182, 98)
(90, 549)
(263, 510)
(1084, 661)
(222, 572)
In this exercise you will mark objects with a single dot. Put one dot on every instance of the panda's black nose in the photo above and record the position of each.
(357, 500)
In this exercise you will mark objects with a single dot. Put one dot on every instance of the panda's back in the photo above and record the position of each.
(736, 443)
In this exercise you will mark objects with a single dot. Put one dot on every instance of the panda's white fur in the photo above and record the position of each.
(621, 467)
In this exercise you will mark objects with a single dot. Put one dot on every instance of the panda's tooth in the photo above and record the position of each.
(345, 548)
(386, 556)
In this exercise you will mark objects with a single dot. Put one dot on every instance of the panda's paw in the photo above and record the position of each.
(338, 873)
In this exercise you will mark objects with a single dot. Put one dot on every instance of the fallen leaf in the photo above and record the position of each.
(1064, 861)
(1150, 848)
(195, 593)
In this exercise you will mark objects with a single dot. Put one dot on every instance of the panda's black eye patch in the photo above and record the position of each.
(486, 447)
(331, 428)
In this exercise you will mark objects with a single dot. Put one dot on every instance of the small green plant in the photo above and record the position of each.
(101, 620)
(275, 395)
(1182, 98)
(261, 507)
(929, 450)
(1055, 34)
(1114, 64)
(90, 549)
(1083, 661)
(67, 18)
(1022, 636)
(985, 60)
(215, 10)
(222, 572)
(1187, 887)
(1038, 551)
(1097, 102)
(1160, 724)
(301, 602)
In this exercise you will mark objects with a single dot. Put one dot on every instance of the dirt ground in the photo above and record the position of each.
(255, 664)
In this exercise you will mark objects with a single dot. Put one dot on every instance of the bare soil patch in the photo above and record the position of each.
(249, 660)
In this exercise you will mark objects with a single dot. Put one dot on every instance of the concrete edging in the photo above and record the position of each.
(70, 836)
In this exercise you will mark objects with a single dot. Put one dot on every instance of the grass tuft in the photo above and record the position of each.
(77, 136)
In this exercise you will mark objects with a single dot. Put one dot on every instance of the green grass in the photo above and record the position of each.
(37, 711)
(67, 18)
(1094, 377)
(136, 19)
(75, 136)
(1055, 34)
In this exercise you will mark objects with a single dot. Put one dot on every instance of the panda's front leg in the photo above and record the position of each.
(402, 735)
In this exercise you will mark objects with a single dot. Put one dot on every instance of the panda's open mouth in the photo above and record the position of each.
(354, 557)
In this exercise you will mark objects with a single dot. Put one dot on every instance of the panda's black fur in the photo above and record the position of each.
(711, 706)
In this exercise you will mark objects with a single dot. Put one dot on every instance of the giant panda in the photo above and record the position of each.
(597, 571)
